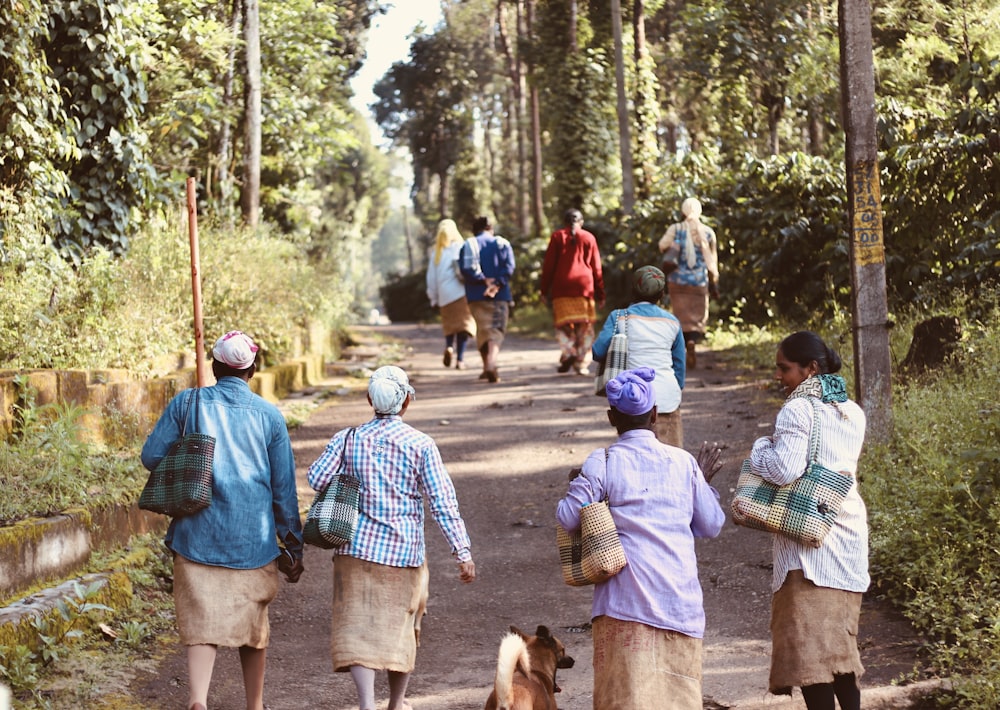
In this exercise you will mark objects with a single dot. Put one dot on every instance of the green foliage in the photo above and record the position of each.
(94, 50)
(933, 495)
(23, 666)
(405, 298)
(34, 127)
(941, 182)
(133, 633)
(48, 466)
(19, 667)
(85, 317)
(581, 153)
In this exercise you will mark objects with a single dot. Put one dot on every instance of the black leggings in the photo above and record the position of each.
(844, 687)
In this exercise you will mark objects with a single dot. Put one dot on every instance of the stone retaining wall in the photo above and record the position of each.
(104, 394)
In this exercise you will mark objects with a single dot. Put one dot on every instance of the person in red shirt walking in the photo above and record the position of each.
(572, 284)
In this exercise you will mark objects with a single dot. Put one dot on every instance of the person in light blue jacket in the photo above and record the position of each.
(654, 340)
(227, 556)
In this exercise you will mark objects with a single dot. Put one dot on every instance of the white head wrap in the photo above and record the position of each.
(388, 387)
(235, 349)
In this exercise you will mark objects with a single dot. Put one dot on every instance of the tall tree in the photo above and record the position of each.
(250, 189)
(624, 131)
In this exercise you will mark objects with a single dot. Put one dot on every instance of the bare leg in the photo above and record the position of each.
(253, 661)
(364, 681)
(397, 690)
(201, 662)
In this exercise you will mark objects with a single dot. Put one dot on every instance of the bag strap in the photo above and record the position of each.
(625, 327)
(345, 464)
(607, 455)
(191, 400)
(814, 434)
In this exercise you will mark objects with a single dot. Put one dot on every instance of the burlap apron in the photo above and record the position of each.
(491, 321)
(223, 606)
(814, 634)
(670, 428)
(457, 318)
(690, 305)
(377, 612)
(638, 667)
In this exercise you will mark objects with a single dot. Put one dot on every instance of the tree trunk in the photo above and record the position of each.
(624, 137)
(517, 84)
(873, 357)
(222, 154)
(250, 196)
(537, 205)
(645, 121)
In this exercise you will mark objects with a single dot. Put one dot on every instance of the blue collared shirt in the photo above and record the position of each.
(487, 256)
(394, 462)
(254, 499)
(660, 503)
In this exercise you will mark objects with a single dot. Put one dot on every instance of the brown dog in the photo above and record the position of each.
(526, 671)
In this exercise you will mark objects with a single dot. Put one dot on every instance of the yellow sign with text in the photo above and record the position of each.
(867, 226)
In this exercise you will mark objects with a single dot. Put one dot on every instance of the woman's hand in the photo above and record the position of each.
(467, 571)
(708, 459)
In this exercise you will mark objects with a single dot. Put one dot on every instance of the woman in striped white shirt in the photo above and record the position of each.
(817, 591)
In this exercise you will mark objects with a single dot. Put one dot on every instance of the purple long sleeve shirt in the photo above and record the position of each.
(660, 502)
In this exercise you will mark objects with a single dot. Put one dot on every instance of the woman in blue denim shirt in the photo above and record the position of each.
(226, 557)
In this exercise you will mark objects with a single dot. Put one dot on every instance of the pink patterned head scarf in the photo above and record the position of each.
(235, 349)
(632, 391)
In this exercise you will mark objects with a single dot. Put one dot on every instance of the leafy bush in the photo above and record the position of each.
(110, 312)
(48, 467)
(933, 494)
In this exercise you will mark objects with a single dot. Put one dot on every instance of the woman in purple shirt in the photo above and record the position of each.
(648, 620)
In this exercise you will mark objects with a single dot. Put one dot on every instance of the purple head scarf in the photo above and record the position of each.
(632, 391)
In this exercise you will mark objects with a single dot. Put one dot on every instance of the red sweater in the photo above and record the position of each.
(572, 266)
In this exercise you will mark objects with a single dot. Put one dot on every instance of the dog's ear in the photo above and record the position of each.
(543, 632)
(515, 630)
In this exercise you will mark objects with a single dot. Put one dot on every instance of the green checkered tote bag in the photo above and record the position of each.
(333, 515)
(181, 483)
(803, 510)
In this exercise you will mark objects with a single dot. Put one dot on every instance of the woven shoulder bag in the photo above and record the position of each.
(803, 510)
(181, 483)
(616, 361)
(333, 515)
(595, 553)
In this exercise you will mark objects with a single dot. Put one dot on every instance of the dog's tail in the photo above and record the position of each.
(513, 656)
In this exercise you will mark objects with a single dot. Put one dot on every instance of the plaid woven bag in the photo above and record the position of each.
(803, 510)
(333, 514)
(595, 554)
(181, 483)
(616, 361)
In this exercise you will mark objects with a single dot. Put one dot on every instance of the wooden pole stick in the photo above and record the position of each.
(199, 338)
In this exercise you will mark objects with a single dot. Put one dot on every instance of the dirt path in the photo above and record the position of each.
(508, 448)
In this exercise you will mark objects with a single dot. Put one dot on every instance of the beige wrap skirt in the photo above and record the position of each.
(457, 318)
(377, 612)
(814, 634)
(222, 606)
(638, 666)
(690, 305)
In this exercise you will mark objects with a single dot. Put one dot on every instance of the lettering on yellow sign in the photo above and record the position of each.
(867, 228)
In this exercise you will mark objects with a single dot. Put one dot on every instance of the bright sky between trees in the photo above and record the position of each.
(388, 42)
